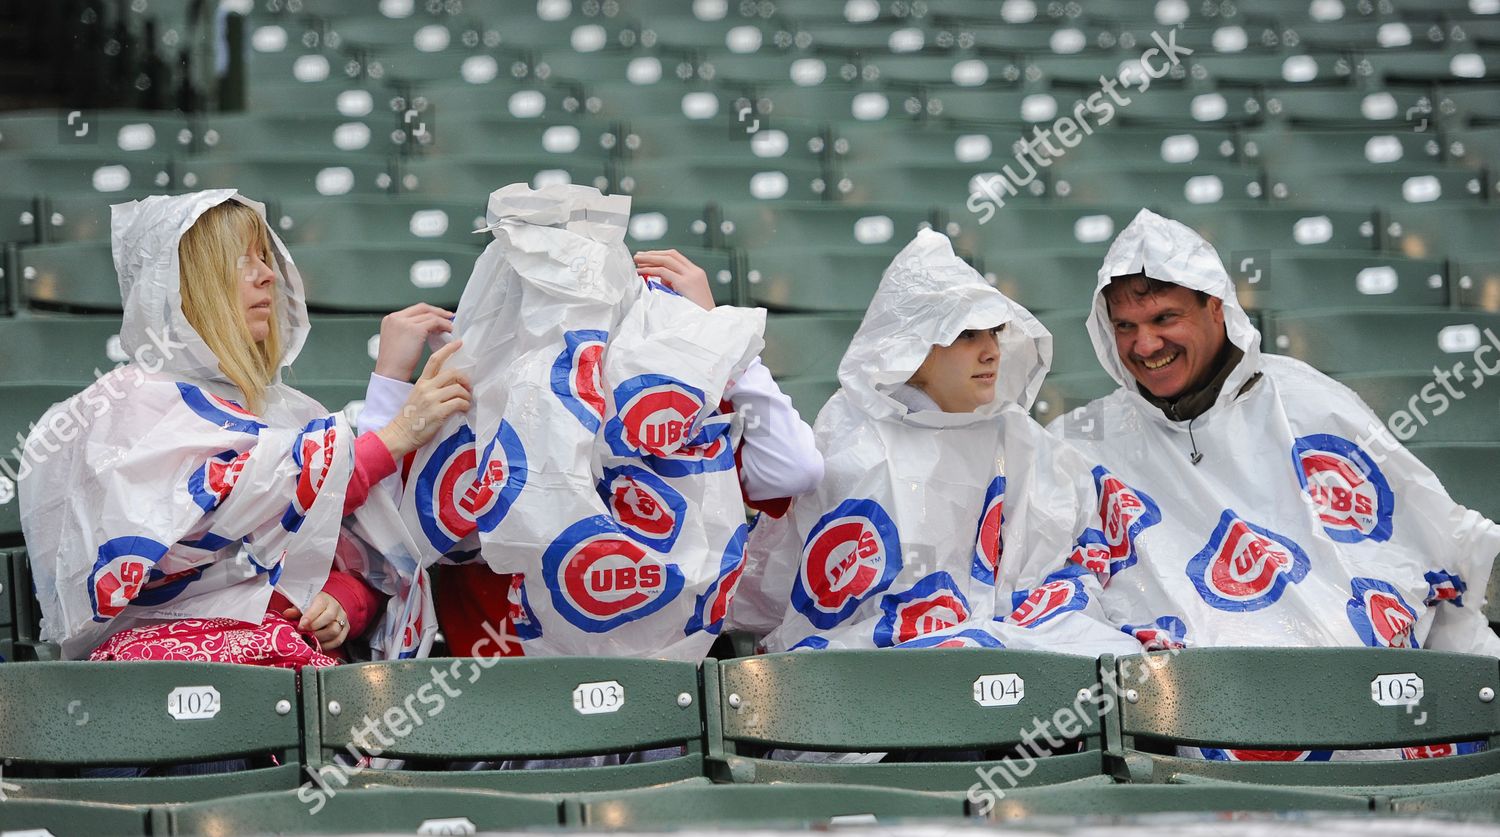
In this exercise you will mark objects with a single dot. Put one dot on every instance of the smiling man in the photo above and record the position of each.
(1247, 498)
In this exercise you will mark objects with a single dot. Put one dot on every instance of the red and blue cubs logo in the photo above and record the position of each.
(1092, 553)
(966, 638)
(1352, 497)
(1216, 754)
(313, 454)
(210, 485)
(459, 491)
(1062, 592)
(1439, 751)
(851, 554)
(523, 621)
(601, 579)
(1245, 567)
(932, 604)
(1443, 586)
(708, 612)
(416, 625)
(122, 569)
(577, 376)
(1165, 634)
(709, 451)
(1124, 513)
(654, 416)
(1380, 616)
(989, 541)
(218, 411)
(161, 588)
(646, 508)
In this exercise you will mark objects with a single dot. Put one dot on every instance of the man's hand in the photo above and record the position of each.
(439, 393)
(677, 273)
(403, 335)
(325, 619)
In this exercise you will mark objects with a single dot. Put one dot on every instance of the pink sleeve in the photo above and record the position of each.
(372, 463)
(359, 600)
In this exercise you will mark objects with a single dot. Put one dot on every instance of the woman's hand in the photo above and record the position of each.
(403, 335)
(678, 273)
(439, 394)
(325, 619)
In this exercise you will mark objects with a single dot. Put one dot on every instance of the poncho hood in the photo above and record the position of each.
(1171, 252)
(926, 298)
(144, 235)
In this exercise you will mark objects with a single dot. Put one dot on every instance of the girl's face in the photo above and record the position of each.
(961, 377)
(257, 291)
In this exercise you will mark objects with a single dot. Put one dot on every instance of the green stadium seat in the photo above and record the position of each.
(150, 134)
(59, 350)
(21, 405)
(1149, 147)
(1394, 108)
(1467, 105)
(331, 136)
(380, 278)
(300, 64)
(1439, 231)
(667, 225)
(568, 140)
(336, 396)
(1250, 69)
(27, 629)
(1123, 802)
(1278, 280)
(1278, 145)
(723, 180)
(1251, 231)
(338, 349)
(104, 177)
(808, 394)
(884, 104)
(472, 179)
(938, 68)
(1039, 38)
(670, 99)
(808, 68)
(84, 216)
(1036, 232)
(1072, 351)
(334, 97)
(788, 139)
(74, 276)
(413, 33)
(1447, 67)
(1237, 698)
(1474, 147)
(1162, 183)
(683, 33)
(658, 707)
(7, 595)
(1062, 393)
(18, 219)
(867, 38)
(1043, 280)
(955, 186)
(1083, 70)
(335, 810)
(328, 175)
(1387, 186)
(1349, 34)
(807, 345)
(1467, 470)
(1229, 106)
(1477, 282)
(791, 701)
(641, 65)
(1481, 804)
(817, 279)
(127, 711)
(759, 225)
(983, 106)
(791, 806)
(355, 219)
(1387, 340)
(1467, 419)
(409, 67)
(52, 816)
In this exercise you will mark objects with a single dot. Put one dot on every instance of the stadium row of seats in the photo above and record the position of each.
(964, 730)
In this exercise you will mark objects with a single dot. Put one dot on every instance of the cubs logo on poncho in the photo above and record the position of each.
(1352, 497)
(576, 378)
(1062, 592)
(212, 483)
(1380, 615)
(931, 605)
(989, 543)
(655, 415)
(121, 570)
(1443, 586)
(966, 638)
(221, 412)
(1165, 634)
(1124, 512)
(713, 604)
(1245, 567)
(601, 579)
(851, 554)
(460, 491)
(646, 508)
(1218, 754)
(313, 455)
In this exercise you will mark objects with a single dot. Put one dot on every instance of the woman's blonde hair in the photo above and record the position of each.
(211, 259)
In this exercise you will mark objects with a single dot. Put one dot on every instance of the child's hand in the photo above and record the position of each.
(677, 273)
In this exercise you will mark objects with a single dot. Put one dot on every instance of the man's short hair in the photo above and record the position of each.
(1141, 286)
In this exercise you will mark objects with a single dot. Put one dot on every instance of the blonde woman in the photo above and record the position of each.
(189, 505)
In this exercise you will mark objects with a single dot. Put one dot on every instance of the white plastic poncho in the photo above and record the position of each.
(933, 528)
(161, 497)
(1304, 524)
(594, 460)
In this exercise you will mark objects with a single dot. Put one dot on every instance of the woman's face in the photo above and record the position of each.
(961, 377)
(257, 292)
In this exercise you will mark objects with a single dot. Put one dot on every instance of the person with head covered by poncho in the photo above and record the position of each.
(1258, 501)
(946, 515)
